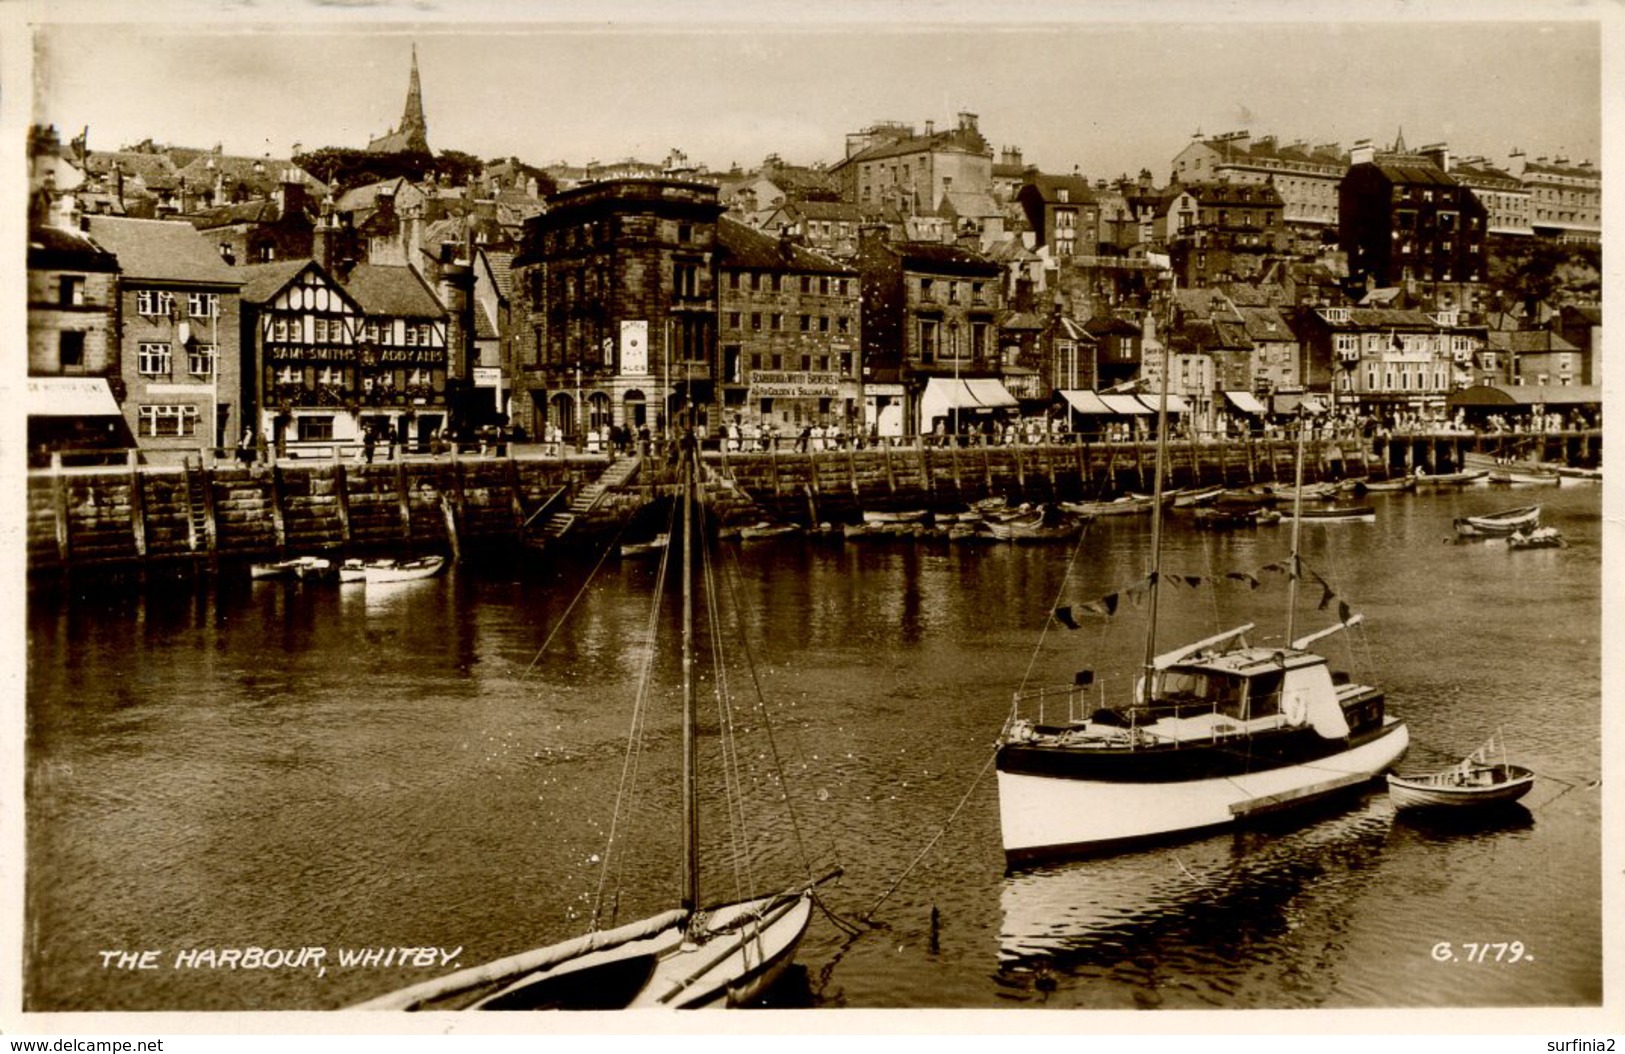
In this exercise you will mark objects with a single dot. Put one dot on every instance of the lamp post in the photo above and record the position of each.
(581, 412)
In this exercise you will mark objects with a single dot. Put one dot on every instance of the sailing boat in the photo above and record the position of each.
(686, 957)
(1214, 733)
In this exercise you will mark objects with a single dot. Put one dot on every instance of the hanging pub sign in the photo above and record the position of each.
(777, 384)
(635, 347)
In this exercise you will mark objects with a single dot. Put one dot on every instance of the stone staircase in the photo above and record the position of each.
(620, 470)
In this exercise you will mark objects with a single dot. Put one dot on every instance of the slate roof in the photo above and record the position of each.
(263, 281)
(1383, 318)
(835, 211)
(1049, 188)
(1529, 341)
(398, 292)
(741, 246)
(940, 254)
(364, 197)
(161, 250)
(202, 169)
(485, 327)
(262, 211)
(155, 171)
(1265, 324)
(969, 204)
(57, 247)
(501, 265)
(1266, 148)
(1554, 168)
(1415, 173)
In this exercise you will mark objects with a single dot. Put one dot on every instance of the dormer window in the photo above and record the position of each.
(1063, 195)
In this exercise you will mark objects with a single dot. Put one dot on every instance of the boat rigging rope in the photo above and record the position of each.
(734, 797)
(565, 618)
(634, 742)
(1032, 660)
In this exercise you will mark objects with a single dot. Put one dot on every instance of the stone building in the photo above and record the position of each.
(930, 337)
(789, 330)
(1306, 176)
(615, 309)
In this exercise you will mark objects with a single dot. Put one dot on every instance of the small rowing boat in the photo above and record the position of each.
(380, 572)
(1334, 514)
(1499, 524)
(1539, 538)
(1475, 782)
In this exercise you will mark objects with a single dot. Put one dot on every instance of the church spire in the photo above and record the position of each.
(1399, 140)
(412, 135)
(412, 120)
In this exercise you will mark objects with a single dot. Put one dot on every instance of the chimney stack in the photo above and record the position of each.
(930, 128)
(1362, 153)
(1439, 154)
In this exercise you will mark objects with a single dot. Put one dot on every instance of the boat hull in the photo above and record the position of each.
(1047, 816)
(1439, 792)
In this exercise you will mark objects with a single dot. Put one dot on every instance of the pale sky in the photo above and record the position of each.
(1108, 96)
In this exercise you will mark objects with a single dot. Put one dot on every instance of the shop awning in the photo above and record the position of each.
(1528, 395)
(1246, 402)
(70, 397)
(944, 395)
(1288, 402)
(1084, 401)
(1176, 403)
(1125, 404)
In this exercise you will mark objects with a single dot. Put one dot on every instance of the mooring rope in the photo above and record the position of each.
(935, 838)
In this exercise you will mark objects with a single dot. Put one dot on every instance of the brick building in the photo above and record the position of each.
(176, 320)
(1407, 223)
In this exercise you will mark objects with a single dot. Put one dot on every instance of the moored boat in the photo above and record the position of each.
(1196, 496)
(1498, 524)
(888, 516)
(692, 955)
(764, 529)
(382, 572)
(1383, 486)
(1539, 538)
(1127, 505)
(1333, 514)
(1568, 476)
(1464, 478)
(1210, 735)
(1477, 781)
(655, 544)
(295, 567)
(1045, 524)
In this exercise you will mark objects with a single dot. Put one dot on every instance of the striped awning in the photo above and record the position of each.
(1084, 401)
(1176, 404)
(1246, 402)
(1125, 404)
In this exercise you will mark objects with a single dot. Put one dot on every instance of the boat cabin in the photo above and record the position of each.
(1245, 690)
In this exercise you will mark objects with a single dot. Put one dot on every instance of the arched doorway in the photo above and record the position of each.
(561, 417)
(635, 409)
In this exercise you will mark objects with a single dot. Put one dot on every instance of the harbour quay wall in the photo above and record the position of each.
(142, 515)
(834, 484)
(101, 518)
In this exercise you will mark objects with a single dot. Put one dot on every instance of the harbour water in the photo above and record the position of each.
(305, 768)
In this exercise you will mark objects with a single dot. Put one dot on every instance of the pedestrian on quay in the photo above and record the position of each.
(368, 441)
(245, 447)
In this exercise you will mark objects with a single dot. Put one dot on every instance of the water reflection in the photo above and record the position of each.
(1179, 925)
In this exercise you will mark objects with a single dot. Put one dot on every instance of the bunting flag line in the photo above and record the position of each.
(1108, 604)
